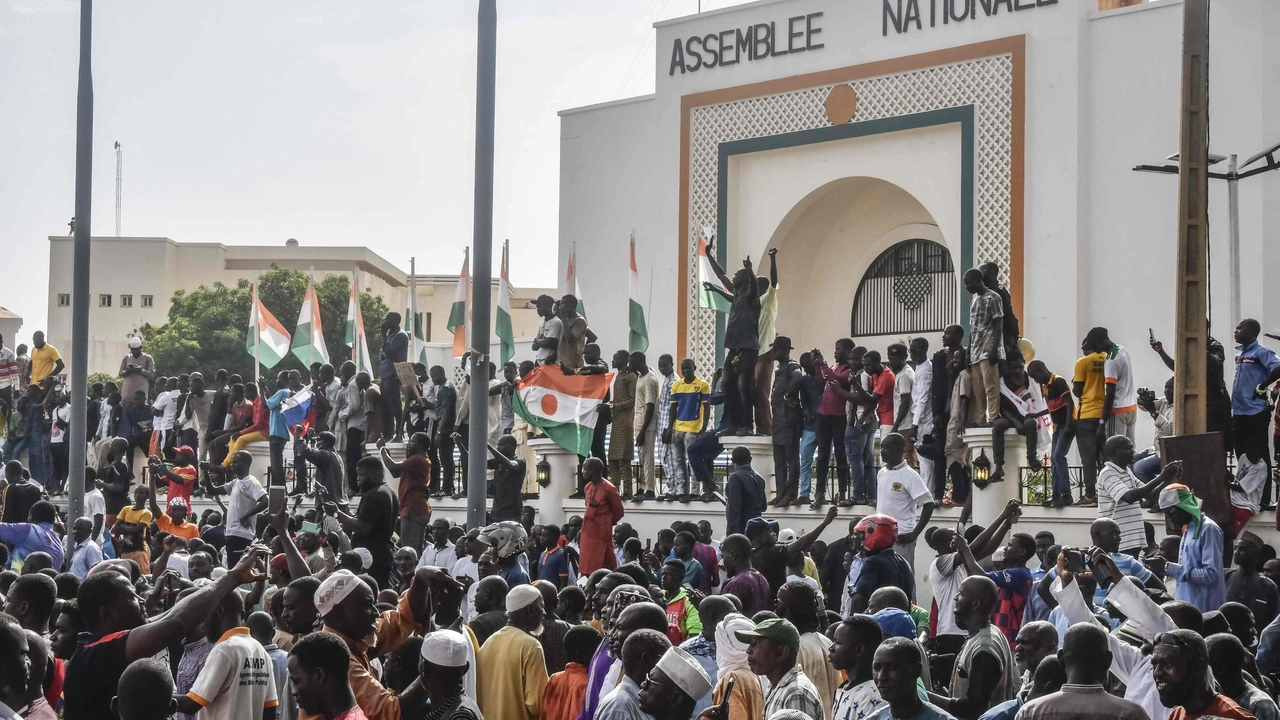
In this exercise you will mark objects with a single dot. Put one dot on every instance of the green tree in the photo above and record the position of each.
(207, 327)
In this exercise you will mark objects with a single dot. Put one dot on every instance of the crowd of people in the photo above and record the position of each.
(357, 602)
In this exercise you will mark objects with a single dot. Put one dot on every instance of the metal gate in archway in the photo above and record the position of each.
(909, 288)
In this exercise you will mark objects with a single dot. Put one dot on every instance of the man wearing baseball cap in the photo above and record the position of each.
(174, 521)
(181, 476)
(771, 652)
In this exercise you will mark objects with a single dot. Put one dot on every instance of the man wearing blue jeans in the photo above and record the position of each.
(810, 396)
(830, 421)
(688, 412)
(279, 430)
(1062, 410)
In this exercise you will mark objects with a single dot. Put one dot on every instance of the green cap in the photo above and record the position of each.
(775, 629)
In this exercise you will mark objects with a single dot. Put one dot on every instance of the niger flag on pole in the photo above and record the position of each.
(354, 336)
(502, 321)
(638, 339)
(267, 341)
(458, 312)
(562, 406)
(571, 280)
(308, 337)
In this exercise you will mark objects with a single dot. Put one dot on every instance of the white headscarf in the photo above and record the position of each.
(731, 653)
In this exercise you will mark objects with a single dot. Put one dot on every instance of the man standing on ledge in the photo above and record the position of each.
(395, 349)
(741, 343)
(986, 347)
(604, 510)
(137, 370)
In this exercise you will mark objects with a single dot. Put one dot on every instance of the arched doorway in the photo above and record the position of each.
(909, 289)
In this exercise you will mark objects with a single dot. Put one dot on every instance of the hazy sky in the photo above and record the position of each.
(336, 123)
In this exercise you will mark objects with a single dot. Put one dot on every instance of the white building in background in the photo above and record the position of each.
(10, 324)
(133, 280)
(883, 147)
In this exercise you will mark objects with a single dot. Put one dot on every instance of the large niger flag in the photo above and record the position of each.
(308, 338)
(562, 406)
(267, 340)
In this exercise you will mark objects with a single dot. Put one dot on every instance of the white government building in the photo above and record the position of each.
(885, 146)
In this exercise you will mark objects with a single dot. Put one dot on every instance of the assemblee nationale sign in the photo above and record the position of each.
(754, 42)
(906, 15)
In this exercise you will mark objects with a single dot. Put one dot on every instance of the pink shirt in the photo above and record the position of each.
(831, 403)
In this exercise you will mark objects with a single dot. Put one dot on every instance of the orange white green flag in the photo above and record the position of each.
(502, 317)
(308, 336)
(267, 340)
(458, 312)
(562, 406)
(354, 336)
(638, 337)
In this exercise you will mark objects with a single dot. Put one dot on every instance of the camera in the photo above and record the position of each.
(1146, 396)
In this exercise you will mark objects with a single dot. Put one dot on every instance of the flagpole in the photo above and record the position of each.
(481, 269)
(355, 332)
(257, 333)
(311, 349)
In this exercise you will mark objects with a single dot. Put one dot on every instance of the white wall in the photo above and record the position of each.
(609, 187)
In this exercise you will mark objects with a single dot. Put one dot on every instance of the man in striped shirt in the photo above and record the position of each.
(1119, 492)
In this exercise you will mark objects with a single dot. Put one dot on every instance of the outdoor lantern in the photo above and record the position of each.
(544, 472)
(981, 469)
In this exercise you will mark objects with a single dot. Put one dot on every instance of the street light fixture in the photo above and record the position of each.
(1234, 174)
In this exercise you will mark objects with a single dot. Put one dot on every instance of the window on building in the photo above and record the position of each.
(909, 288)
(148, 300)
(126, 301)
(426, 328)
(104, 301)
(64, 299)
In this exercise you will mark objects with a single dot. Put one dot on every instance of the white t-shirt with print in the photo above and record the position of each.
(61, 414)
(236, 681)
(946, 573)
(244, 494)
(900, 491)
(902, 384)
(1119, 370)
(168, 402)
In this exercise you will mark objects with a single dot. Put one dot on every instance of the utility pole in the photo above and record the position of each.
(80, 269)
(481, 272)
(1192, 312)
(119, 183)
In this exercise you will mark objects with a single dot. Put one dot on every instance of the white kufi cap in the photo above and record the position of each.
(522, 596)
(334, 590)
(685, 672)
(445, 648)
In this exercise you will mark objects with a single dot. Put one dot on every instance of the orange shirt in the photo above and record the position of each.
(1222, 706)
(563, 696)
(184, 488)
(389, 633)
(187, 530)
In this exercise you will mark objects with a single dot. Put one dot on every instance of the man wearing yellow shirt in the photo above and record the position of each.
(1089, 384)
(511, 670)
(45, 360)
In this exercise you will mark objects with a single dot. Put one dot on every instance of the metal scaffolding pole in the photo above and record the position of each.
(482, 250)
(80, 271)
